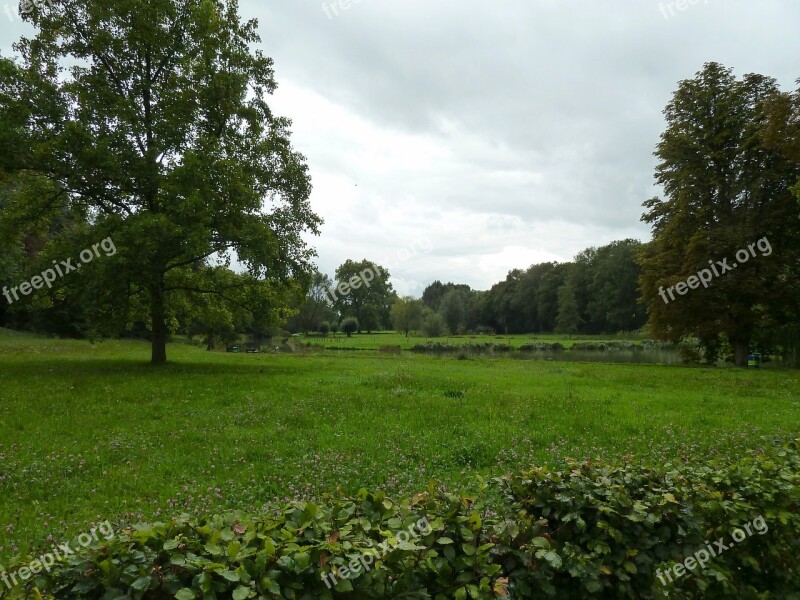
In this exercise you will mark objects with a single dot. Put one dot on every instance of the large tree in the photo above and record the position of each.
(364, 291)
(152, 116)
(407, 314)
(613, 288)
(726, 181)
(453, 308)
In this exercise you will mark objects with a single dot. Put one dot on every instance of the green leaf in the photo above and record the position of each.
(343, 585)
(241, 593)
(141, 584)
(554, 559)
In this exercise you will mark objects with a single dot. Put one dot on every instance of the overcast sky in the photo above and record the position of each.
(458, 139)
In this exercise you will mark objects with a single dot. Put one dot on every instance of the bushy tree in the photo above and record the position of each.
(407, 314)
(363, 291)
(349, 326)
(433, 324)
(453, 310)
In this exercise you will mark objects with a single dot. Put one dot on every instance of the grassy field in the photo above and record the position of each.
(92, 432)
(375, 341)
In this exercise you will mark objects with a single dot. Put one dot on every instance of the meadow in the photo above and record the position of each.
(91, 432)
(377, 340)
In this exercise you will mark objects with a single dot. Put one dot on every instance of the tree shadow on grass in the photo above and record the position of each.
(25, 369)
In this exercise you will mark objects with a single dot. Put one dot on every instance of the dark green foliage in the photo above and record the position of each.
(453, 310)
(604, 346)
(569, 318)
(407, 314)
(349, 326)
(433, 325)
(597, 293)
(542, 347)
(363, 291)
(445, 348)
(727, 161)
(156, 125)
(591, 530)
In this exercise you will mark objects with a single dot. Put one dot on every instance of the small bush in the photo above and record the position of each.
(391, 349)
(434, 325)
(349, 326)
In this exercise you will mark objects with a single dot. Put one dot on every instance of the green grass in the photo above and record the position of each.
(374, 341)
(92, 432)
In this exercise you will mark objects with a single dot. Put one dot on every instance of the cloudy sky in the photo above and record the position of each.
(458, 139)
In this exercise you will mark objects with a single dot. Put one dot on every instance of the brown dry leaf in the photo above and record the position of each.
(501, 587)
(334, 537)
(238, 528)
(323, 560)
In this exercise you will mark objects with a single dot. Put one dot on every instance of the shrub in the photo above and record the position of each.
(390, 349)
(589, 530)
(691, 351)
(434, 325)
(657, 345)
(542, 347)
(324, 328)
(444, 348)
(349, 326)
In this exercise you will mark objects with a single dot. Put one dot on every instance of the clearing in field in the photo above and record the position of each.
(90, 432)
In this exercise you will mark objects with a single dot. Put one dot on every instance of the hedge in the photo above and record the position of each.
(591, 530)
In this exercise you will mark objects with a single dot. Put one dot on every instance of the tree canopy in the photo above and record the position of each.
(150, 117)
(727, 168)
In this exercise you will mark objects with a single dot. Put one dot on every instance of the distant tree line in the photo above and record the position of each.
(596, 293)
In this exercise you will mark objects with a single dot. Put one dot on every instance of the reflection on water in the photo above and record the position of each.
(659, 357)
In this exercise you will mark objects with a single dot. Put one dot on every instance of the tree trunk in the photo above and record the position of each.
(159, 324)
(741, 351)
